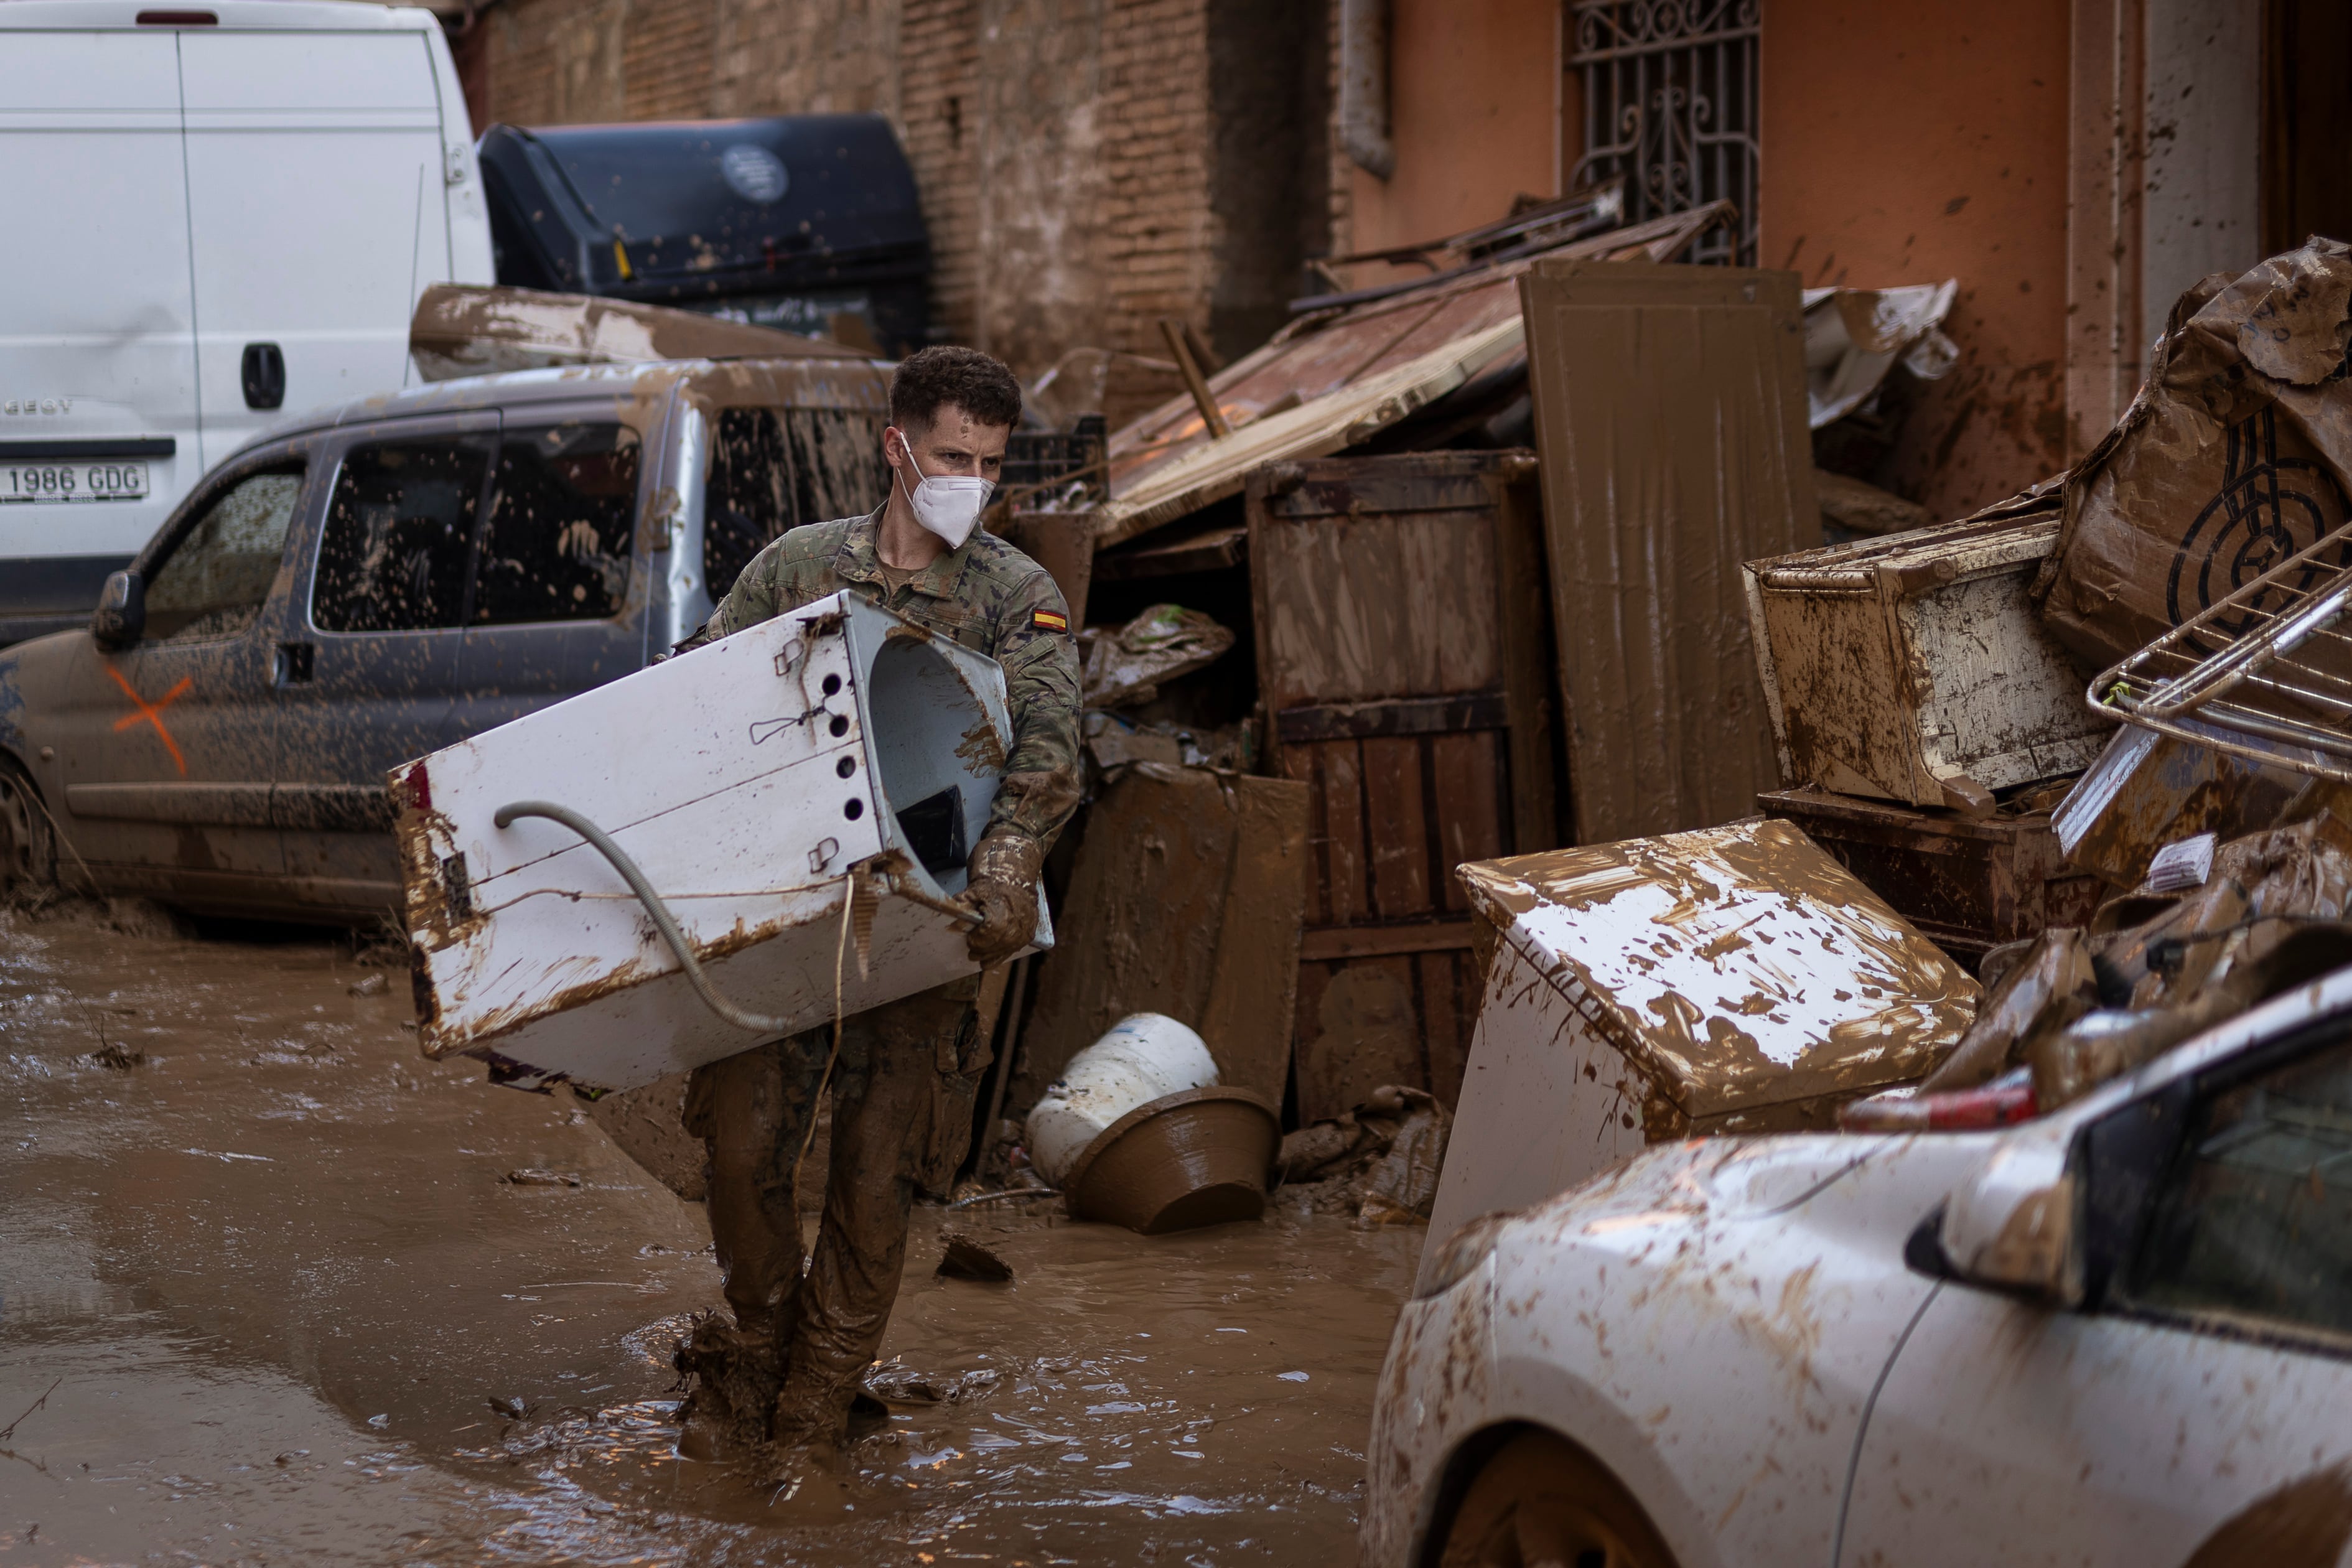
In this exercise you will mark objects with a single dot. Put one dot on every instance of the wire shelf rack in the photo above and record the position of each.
(2265, 674)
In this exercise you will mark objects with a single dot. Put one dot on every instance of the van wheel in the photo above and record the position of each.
(28, 851)
(1541, 1501)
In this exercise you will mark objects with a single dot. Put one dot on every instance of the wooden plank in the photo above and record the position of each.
(1466, 774)
(1359, 1028)
(1247, 1018)
(1396, 824)
(1346, 887)
(1669, 408)
(1063, 542)
(1211, 551)
(1186, 475)
(1444, 1022)
(1326, 943)
(1523, 617)
(1375, 604)
(1330, 380)
(1398, 716)
(1301, 764)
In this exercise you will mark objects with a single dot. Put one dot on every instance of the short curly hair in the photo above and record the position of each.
(930, 379)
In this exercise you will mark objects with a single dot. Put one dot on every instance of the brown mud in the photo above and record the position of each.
(288, 1308)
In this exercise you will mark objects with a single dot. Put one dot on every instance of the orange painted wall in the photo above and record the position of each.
(1914, 142)
(1472, 103)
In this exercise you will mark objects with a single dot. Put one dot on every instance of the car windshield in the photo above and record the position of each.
(216, 578)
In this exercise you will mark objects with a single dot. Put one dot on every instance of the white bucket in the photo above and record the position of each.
(1142, 1057)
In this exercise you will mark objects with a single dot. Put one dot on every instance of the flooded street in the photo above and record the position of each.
(266, 1295)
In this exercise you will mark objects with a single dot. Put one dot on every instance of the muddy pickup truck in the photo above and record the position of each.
(376, 582)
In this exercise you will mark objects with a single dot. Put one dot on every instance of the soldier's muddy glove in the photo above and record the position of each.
(1003, 893)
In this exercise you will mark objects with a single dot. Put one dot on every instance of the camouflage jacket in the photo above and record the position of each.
(986, 596)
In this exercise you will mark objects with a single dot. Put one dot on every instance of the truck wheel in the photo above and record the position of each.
(28, 851)
(1542, 1502)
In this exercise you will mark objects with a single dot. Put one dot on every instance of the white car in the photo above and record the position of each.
(2118, 1334)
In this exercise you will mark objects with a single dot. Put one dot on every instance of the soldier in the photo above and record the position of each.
(903, 1086)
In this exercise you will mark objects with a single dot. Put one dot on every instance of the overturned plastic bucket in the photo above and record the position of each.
(1200, 1156)
(1139, 1132)
(1139, 1059)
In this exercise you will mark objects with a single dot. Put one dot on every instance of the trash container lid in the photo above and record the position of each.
(707, 207)
(1736, 967)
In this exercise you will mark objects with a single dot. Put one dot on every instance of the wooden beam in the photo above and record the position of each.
(1326, 943)
(1180, 348)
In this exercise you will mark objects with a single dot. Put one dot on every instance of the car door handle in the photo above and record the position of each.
(297, 663)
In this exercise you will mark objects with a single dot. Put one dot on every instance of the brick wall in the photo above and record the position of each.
(665, 59)
(1159, 231)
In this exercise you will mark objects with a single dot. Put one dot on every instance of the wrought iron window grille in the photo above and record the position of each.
(1669, 90)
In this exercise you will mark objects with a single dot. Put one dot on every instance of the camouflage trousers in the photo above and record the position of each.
(902, 1105)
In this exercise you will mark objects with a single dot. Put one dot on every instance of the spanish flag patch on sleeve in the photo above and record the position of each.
(1049, 621)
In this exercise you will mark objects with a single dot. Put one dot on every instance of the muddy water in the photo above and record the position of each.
(272, 1278)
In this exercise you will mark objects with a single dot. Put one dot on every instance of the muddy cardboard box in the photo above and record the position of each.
(1732, 980)
(1915, 668)
(754, 783)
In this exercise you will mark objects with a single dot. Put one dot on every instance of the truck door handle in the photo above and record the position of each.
(297, 663)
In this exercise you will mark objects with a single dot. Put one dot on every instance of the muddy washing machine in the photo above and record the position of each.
(733, 845)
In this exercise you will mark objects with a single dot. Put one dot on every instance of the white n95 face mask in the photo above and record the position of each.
(946, 504)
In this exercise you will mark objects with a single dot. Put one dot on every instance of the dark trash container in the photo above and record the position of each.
(806, 222)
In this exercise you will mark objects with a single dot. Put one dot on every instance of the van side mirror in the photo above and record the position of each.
(120, 618)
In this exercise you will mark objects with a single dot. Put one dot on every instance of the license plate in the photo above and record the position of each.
(91, 478)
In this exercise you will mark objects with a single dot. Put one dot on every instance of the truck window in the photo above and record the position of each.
(773, 469)
(2255, 1219)
(562, 524)
(215, 581)
(392, 558)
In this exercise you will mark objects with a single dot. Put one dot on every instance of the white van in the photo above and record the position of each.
(225, 213)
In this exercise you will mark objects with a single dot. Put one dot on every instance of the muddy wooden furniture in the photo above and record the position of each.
(1969, 884)
(1403, 661)
(1916, 668)
(1189, 885)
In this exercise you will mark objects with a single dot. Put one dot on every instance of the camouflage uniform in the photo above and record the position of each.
(903, 1088)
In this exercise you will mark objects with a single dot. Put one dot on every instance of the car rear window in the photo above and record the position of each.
(772, 470)
(398, 533)
(561, 525)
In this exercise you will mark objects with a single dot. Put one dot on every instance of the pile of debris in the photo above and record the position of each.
(1319, 674)
(2124, 889)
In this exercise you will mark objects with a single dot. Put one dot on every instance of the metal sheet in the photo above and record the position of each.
(1670, 411)
(2147, 790)
(1329, 380)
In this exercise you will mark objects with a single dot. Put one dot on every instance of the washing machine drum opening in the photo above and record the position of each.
(938, 754)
